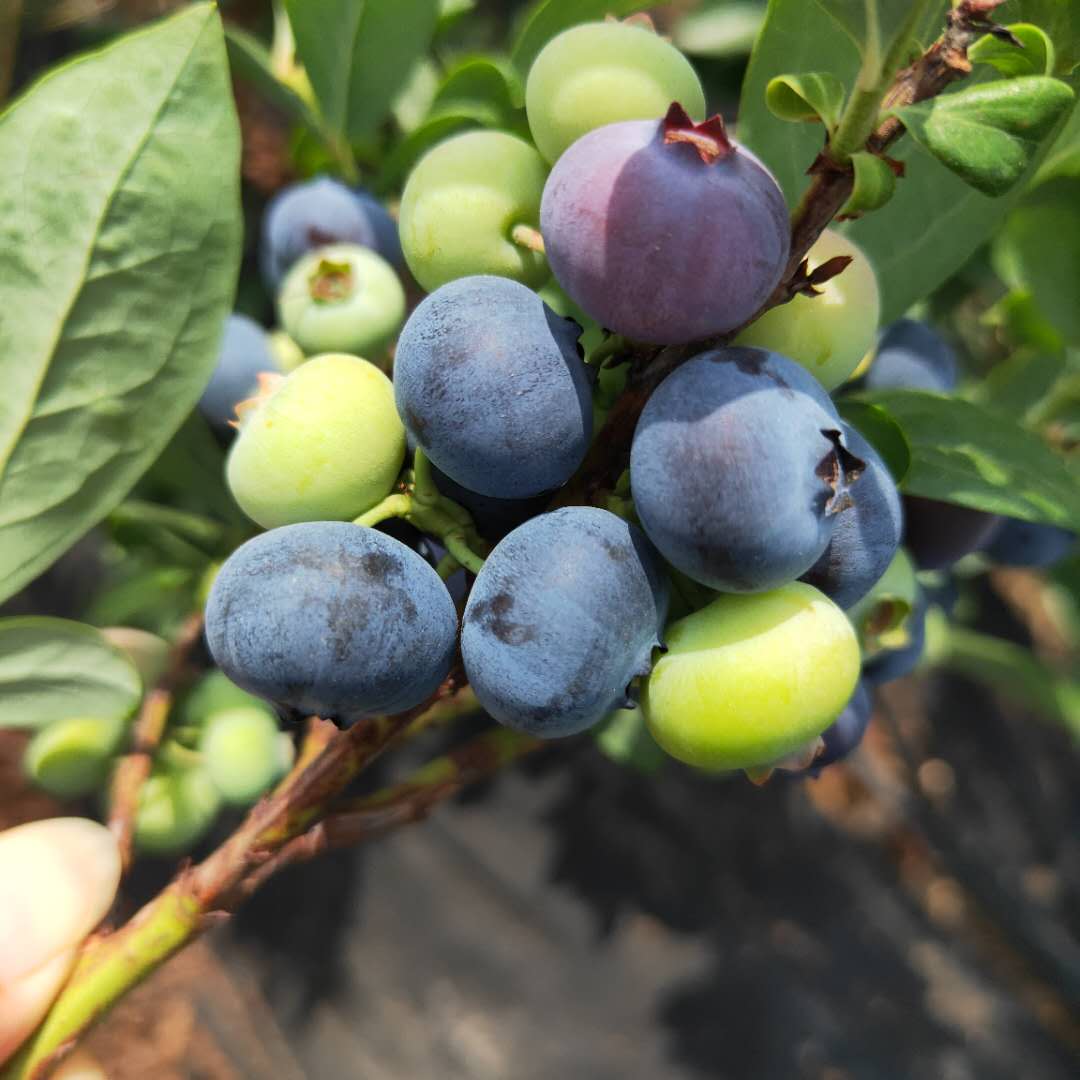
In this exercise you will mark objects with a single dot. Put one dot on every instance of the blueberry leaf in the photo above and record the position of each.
(882, 432)
(250, 60)
(52, 669)
(1034, 55)
(1050, 272)
(483, 86)
(814, 97)
(546, 18)
(904, 240)
(359, 56)
(1059, 19)
(114, 291)
(963, 453)
(876, 25)
(875, 184)
(988, 135)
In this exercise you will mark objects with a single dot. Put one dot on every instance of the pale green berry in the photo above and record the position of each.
(601, 73)
(322, 444)
(750, 679)
(176, 809)
(831, 333)
(341, 298)
(242, 753)
(462, 205)
(71, 758)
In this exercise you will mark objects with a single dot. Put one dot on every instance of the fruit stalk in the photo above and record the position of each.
(109, 965)
(134, 767)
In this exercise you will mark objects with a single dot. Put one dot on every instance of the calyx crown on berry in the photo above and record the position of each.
(709, 138)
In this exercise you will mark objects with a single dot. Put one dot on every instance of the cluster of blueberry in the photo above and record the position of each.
(730, 589)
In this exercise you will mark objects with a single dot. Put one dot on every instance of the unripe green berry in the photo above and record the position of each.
(342, 298)
(751, 678)
(462, 204)
(322, 444)
(600, 73)
(242, 753)
(176, 809)
(831, 333)
(71, 758)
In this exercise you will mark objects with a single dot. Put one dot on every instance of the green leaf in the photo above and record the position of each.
(1020, 386)
(250, 60)
(875, 184)
(114, 288)
(624, 738)
(815, 97)
(1039, 250)
(965, 454)
(546, 18)
(1063, 158)
(988, 135)
(1060, 19)
(881, 431)
(720, 32)
(414, 99)
(1020, 321)
(481, 86)
(875, 26)
(51, 669)
(904, 241)
(1034, 56)
(359, 55)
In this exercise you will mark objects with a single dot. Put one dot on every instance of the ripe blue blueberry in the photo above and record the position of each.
(845, 733)
(318, 212)
(867, 534)
(245, 352)
(1027, 543)
(912, 356)
(489, 381)
(738, 469)
(330, 619)
(939, 533)
(564, 614)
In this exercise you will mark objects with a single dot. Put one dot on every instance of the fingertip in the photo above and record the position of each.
(24, 1002)
(58, 878)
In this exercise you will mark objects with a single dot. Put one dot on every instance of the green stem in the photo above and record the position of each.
(391, 507)
(860, 116)
(423, 480)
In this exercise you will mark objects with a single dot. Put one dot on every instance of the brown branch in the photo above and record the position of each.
(134, 767)
(109, 965)
(412, 800)
(829, 189)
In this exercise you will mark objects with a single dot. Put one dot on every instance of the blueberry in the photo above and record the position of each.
(331, 619)
(664, 232)
(867, 534)
(738, 470)
(939, 533)
(488, 380)
(891, 664)
(564, 614)
(912, 356)
(245, 352)
(846, 732)
(1028, 543)
(318, 212)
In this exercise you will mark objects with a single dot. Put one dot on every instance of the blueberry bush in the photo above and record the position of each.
(525, 376)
